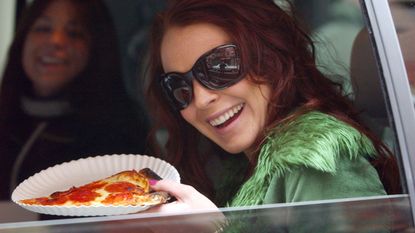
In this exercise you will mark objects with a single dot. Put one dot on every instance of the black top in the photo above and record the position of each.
(43, 141)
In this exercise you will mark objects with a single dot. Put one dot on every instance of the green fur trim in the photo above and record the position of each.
(313, 140)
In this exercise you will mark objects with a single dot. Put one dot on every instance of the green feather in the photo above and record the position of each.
(314, 140)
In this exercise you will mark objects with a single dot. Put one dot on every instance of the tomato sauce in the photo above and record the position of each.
(119, 198)
(120, 187)
(83, 195)
(46, 201)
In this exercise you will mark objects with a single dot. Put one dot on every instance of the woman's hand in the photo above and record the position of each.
(209, 218)
(188, 198)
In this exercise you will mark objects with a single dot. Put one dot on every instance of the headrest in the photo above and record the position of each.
(366, 77)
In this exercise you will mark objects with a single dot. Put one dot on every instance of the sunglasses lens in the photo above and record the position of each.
(183, 95)
(220, 68)
(178, 90)
(217, 69)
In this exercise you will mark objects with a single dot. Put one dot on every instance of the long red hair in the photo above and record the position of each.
(277, 51)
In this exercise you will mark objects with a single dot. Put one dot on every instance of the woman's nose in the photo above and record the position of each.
(59, 37)
(202, 96)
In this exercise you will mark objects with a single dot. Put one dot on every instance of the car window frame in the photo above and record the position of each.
(380, 24)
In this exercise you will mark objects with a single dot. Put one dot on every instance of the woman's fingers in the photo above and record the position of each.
(188, 199)
(186, 195)
(180, 191)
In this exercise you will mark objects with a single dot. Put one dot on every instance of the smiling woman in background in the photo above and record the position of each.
(62, 95)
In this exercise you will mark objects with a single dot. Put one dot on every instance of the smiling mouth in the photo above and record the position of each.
(228, 117)
(50, 60)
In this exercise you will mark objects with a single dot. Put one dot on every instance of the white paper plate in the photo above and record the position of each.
(82, 171)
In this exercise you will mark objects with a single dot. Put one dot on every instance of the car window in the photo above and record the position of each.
(6, 27)
(403, 13)
(347, 53)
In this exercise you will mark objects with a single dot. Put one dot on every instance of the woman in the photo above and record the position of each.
(242, 74)
(62, 96)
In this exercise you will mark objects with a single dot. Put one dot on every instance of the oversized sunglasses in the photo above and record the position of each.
(216, 69)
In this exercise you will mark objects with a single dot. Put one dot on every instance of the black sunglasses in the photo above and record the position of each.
(216, 69)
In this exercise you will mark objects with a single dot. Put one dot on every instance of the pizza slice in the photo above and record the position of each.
(125, 188)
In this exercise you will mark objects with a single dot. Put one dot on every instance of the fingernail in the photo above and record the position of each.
(153, 182)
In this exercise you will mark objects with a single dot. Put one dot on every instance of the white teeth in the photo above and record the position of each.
(52, 60)
(226, 116)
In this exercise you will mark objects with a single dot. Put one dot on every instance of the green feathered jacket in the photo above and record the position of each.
(314, 157)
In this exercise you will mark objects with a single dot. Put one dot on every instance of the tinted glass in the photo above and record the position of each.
(403, 13)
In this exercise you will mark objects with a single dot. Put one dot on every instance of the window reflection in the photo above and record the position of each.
(403, 13)
(345, 53)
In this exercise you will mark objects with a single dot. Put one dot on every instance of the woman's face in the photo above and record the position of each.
(232, 117)
(56, 48)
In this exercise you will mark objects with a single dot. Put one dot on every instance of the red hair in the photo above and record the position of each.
(274, 49)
